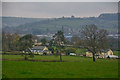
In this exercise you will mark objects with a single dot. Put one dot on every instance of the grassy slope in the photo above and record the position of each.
(85, 68)
(76, 24)
(16, 21)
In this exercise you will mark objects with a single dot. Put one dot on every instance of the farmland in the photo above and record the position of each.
(72, 67)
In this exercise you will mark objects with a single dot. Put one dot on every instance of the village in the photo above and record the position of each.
(39, 49)
(55, 56)
(57, 45)
(59, 40)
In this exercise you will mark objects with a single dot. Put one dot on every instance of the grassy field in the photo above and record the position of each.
(75, 67)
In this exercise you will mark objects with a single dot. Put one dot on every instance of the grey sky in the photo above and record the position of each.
(57, 9)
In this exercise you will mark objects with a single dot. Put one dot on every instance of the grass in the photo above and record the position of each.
(0, 67)
(116, 53)
(79, 67)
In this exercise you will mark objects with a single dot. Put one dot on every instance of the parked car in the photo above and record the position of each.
(72, 54)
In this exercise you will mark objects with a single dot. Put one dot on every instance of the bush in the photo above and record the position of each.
(80, 51)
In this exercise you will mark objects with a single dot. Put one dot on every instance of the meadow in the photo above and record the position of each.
(72, 67)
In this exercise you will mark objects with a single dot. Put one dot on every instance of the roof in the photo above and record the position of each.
(102, 50)
(38, 48)
(105, 50)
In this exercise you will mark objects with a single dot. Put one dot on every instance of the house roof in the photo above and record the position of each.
(38, 48)
(105, 50)
(102, 50)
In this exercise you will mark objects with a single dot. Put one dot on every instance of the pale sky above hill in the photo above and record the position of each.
(57, 9)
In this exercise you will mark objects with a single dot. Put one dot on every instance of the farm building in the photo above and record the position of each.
(103, 54)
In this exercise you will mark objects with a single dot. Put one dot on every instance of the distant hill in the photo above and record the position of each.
(16, 21)
(108, 16)
(70, 25)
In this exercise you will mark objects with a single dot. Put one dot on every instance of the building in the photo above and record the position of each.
(39, 49)
(103, 54)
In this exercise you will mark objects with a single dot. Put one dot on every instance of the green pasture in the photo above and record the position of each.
(74, 67)
(116, 53)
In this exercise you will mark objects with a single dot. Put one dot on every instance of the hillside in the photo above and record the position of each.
(16, 21)
(70, 25)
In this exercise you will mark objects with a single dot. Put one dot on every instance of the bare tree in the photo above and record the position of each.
(76, 41)
(94, 39)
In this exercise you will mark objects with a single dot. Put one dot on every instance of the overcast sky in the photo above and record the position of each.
(57, 9)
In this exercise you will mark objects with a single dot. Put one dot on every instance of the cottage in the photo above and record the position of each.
(41, 50)
(103, 54)
(38, 48)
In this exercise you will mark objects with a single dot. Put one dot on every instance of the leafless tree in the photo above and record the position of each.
(94, 39)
